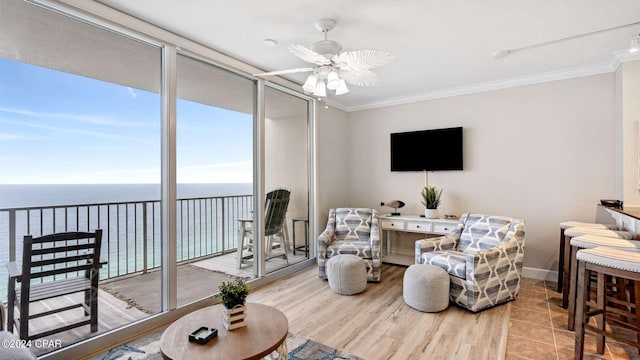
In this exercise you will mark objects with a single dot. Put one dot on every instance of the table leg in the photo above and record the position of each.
(388, 238)
(240, 245)
(283, 352)
(306, 239)
(293, 228)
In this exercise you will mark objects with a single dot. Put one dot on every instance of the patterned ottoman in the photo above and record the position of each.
(347, 274)
(426, 288)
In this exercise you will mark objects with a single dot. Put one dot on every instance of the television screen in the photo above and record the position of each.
(432, 150)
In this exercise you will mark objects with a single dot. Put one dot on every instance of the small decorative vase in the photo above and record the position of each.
(431, 213)
(234, 318)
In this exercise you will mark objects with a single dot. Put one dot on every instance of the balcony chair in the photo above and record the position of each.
(277, 202)
(63, 264)
(483, 257)
(351, 231)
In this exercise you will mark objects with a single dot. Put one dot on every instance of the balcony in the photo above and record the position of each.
(130, 280)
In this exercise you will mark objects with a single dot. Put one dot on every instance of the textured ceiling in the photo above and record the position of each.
(439, 45)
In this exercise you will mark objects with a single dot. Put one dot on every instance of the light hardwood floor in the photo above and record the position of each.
(377, 324)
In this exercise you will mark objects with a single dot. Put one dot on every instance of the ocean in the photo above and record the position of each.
(129, 215)
(13, 196)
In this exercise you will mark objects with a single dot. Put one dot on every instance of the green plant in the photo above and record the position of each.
(431, 197)
(233, 293)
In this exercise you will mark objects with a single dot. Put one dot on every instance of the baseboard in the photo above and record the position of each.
(540, 274)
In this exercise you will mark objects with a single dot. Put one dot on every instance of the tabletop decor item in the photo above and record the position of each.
(233, 296)
(431, 201)
(395, 204)
(202, 335)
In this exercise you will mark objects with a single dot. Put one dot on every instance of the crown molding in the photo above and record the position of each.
(563, 74)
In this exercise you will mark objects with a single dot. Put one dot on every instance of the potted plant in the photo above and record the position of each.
(431, 201)
(233, 296)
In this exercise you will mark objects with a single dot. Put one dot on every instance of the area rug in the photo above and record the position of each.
(143, 291)
(148, 348)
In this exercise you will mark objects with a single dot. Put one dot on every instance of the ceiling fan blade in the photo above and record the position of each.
(280, 72)
(360, 77)
(308, 55)
(363, 59)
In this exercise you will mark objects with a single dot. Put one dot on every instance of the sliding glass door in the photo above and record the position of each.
(214, 151)
(286, 167)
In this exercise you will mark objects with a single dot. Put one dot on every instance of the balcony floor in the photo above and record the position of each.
(124, 300)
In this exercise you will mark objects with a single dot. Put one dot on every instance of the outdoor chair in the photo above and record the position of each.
(351, 231)
(277, 202)
(483, 257)
(53, 266)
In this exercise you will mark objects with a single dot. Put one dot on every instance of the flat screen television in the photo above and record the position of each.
(431, 150)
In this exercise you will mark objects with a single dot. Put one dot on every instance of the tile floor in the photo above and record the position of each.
(538, 328)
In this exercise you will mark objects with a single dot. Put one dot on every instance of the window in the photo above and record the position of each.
(80, 150)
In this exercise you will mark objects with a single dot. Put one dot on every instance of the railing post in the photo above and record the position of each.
(144, 237)
(224, 236)
(12, 235)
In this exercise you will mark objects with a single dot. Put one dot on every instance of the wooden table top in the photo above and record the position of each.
(266, 329)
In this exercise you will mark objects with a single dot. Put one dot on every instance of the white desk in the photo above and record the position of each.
(391, 225)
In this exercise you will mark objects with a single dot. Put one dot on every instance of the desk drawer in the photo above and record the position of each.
(440, 228)
(422, 226)
(392, 224)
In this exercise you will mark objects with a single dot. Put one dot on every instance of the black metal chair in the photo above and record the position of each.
(277, 202)
(64, 263)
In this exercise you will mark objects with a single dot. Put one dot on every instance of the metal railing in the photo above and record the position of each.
(131, 230)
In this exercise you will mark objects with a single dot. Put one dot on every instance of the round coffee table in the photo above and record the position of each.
(266, 331)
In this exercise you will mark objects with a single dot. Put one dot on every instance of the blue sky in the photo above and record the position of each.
(60, 128)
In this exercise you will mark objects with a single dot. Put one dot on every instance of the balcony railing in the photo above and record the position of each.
(131, 230)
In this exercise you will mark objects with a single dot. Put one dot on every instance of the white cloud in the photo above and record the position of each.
(77, 131)
(17, 137)
(132, 93)
(87, 119)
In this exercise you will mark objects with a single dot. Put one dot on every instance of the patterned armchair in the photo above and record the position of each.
(351, 231)
(483, 257)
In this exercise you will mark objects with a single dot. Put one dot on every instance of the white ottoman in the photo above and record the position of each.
(426, 288)
(347, 274)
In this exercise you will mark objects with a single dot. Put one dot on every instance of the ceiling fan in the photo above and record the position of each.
(335, 68)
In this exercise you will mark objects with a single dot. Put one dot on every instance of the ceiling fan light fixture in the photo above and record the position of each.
(342, 87)
(321, 89)
(635, 44)
(334, 67)
(310, 85)
(333, 81)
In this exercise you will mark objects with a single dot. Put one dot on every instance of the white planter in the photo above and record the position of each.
(234, 318)
(431, 213)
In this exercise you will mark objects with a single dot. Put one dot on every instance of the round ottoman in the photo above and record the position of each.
(426, 288)
(347, 274)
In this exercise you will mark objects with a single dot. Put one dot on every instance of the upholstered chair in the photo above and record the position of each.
(483, 257)
(351, 231)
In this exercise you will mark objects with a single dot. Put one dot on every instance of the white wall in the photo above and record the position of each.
(628, 81)
(544, 153)
(333, 147)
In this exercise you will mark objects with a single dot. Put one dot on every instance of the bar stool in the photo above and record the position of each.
(603, 262)
(569, 224)
(590, 242)
(579, 231)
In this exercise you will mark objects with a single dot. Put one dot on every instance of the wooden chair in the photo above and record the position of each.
(277, 202)
(75, 256)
